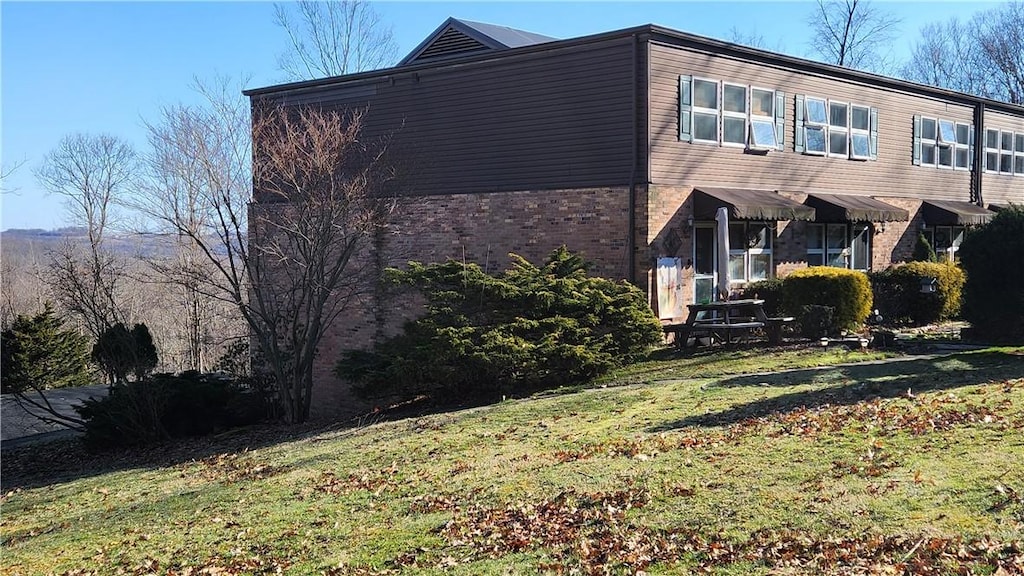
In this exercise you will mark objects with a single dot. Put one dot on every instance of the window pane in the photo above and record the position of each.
(1018, 164)
(814, 232)
(705, 126)
(962, 158)
(992, 161)
(734, 98)
(1007, 141)
(928, 154)
(837, 142)
(757, 236)
(837, 114)
(1006, 163)
(763, 133)
(836, 236)
(943, 238)
(963, 132)
(737, 268)
(860, 145)
(704, 250)
(991, 138)
(815, 138)
(946, 131)
(734, 130)
(737, 236)
(816, 259)
(815, 111)
(704, 290)
(928, 128)
(945, 156)
(762, 102)
(859, 118)
(837, 259)
(1019, 146)
(760, 264)
(958, 235)
(705, 94)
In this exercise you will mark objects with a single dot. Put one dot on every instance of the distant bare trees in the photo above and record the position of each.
(853, 33)
(93, 174)
(333, 38)
(984, 56)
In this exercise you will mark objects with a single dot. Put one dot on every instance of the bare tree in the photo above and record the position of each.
(984, 56)
(6, 171)
(92, 173)
(291, 259)
(853, 33)
(333, 38)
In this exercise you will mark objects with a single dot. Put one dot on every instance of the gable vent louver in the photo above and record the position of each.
(450, 43)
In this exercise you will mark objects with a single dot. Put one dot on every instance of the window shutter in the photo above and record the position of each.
(873, 143)
(685, 105)
(780, 119)
(917, 140)
(798, 137)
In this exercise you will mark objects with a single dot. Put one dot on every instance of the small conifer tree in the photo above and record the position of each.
(923, 251)
(39, 353)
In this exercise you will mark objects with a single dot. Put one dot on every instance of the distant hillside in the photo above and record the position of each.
(126, 244)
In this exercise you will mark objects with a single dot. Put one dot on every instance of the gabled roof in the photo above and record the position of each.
(461, 37)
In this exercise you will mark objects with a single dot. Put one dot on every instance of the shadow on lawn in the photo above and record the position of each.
(861, 382)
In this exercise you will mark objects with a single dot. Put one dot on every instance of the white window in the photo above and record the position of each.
(946, 143)
(762, 119)
(839, 245)
(992, 150)
(750, 251)
(838, 129)
(1006, 152)
(964, 143)
(929, 141)
(860, 132)
(705, 111)
(1018, 154)
(815, 126)
(734, 115)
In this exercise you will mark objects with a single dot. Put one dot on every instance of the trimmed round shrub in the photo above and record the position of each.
(847, 292)
(898, 297)
(992, 256)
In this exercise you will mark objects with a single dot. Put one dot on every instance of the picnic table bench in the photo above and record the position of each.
(725, 320)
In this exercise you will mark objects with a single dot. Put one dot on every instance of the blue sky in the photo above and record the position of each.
(104, 67)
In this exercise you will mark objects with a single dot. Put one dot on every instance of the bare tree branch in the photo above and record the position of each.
(853, 33)
(333, 38)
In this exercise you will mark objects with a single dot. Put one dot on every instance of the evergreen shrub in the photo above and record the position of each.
(525, 329)
(165, 406)
(847, 292)
(897, 292)
(992, 257)
(768, 290)
(39, 353)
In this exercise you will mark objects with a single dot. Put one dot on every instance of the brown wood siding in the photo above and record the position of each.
(680, 163)
(1003, 188)
(555, 119)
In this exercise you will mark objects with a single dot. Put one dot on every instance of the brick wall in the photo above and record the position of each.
(478, 228)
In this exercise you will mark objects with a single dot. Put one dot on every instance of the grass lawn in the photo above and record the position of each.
(679, 465)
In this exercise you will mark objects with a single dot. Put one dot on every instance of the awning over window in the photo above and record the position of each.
(845, 208)
(746, 204)
(949, 213)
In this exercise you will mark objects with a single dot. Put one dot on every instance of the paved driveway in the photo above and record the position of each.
(16, 422)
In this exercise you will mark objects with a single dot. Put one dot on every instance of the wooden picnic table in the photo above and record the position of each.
(721, 320)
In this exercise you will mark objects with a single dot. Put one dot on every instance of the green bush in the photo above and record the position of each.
(992, 257)
(39, 353)
(923, 251)
(121, 352)
(816, 321)
(528, 328)
(847, 292)
(898, 297)
(768, 290)
(166, 406)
